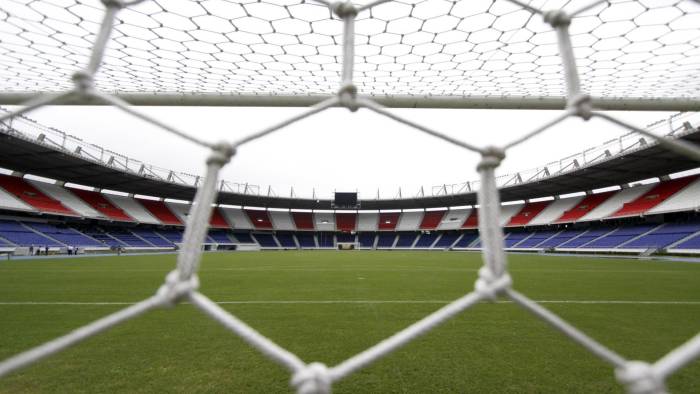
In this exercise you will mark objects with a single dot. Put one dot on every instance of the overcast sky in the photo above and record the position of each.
(337, 149)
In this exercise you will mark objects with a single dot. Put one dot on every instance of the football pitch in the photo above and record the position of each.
(327, 306)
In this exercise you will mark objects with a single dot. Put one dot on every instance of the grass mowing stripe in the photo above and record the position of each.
(311, 302)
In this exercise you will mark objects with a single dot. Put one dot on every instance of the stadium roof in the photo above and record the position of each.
(642, 161)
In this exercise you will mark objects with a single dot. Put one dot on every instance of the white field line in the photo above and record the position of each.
(361, 302)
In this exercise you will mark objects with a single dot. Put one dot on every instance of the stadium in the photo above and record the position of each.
(576, 270)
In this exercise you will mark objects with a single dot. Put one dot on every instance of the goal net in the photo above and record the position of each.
(577, 56)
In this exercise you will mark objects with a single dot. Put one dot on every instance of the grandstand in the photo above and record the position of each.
(635, 196)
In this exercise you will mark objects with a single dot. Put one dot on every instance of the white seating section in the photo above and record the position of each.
(282, 220)
(324, 221)
(685, 200)
(554, 210)
(454, 218)
(368, 221)
(66, 198)
(409, 221)
(237, 218)
(8, 201)
(179, 209)
(132, 208)
(508, 211)
(614, 203)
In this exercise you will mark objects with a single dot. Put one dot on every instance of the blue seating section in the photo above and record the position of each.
(693, 243)
(664, 236)
(345, 237)
(513, 238)
(244, 238)
(426, 240)
(618, 237)
(306, 239)
(67, 236)
(366, 239)
(585, 238)
(174, 236)
(220, 237)
(102, 237)
(127, 237)
(325, 240)
(20, 235)
(466, 240)
(386, 240)
(266, 240)
(446, 240)
(536, 239)
(560, 238)
(406, 240)
(152, 238)
(286, 240)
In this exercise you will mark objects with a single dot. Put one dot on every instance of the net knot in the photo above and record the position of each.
(582, 104)
(557, 18)
(175, 288)
(348, 97)
(491, 157)
(640, 378)
(119, 4)
(313, 379)
(221, 153)
(344, 9)
(83, 81)
(489, 285)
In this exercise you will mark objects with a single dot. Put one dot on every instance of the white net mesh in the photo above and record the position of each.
(494, 281)
(624, 49)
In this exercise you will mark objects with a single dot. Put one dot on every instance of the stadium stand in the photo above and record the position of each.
(127, 237)
(326, 239)
(286, 240)
(217, 219)
(386, 240)
(555, 210)
(324, 221)
(11, 202)
(98, 202)
(367, 221)
(236, 218)
(64, 235)
(447, 240)
(664, 235)
(409, 220)
(653, 197)
(388, 221)
(367, 240)
(404, 239)
(282, 220)
(21, 235)
(472, 220)
(26, 192)
(266, 240)
(584, 207)
(514, 238)
(243, 237)
(101, 236)
(152, 237)
(160, 211)
(259, 218)
(615, 202)
(346, 221)
(132, 208)
(454, 218)
(172, 235)
(303, 220)
(220, 237)
(536, 239)
(508, 211)
(431, 219)
(560, 238)
(179, 209)
(68, 199)
(527, 213)
(687, 199)
(306, 240)
(587, 237)
(466, 240)
(426, 240)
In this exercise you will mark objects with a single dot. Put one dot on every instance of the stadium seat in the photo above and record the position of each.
(68, 199)
(325, 239)
(367, 239)
(243, 237)
(266, 240)
(514, 238)
(555, 210)
(26, 192)
(527, 213)
(410, 220)
(306, 239)
(653, 197)
(132, 208)
(303, 220)
(446, 240)
(472, 220)
(101, 204)
(584, 206)
(367, 221)
(286, 239)
(259, 218)
(388, 220)
(345, 221)
(664, 235)
(466, 240)
(21, 235)
(454, 219)
(64, 235)
(560, 238)
(431, 219)
(236, 218)
(404, 240)
(281, 220)
(536, 239)
(152, 237)
(160, 211)
(618, 237)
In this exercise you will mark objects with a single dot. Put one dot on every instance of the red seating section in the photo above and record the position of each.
(527, 213)
(584, 206)
(160, 211)
(654, 196)
(431, 219)
(388, 220)
(345, 221)
(473, 220)
(303, 220)
(217, 219)
(32, 196)
(101, 204)
(259, 218)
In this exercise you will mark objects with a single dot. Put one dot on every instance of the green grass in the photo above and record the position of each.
(492, 348)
